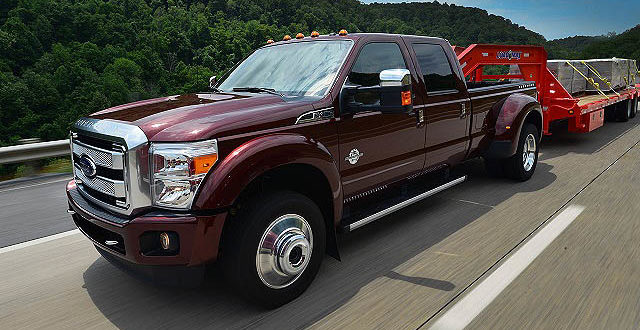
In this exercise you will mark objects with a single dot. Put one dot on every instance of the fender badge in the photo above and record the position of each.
(354, 156)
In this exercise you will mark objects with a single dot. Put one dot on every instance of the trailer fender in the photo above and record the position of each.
(508, 117)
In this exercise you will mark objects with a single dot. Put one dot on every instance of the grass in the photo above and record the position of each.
(49, 165)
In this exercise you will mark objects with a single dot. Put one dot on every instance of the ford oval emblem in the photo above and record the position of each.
(88, 166)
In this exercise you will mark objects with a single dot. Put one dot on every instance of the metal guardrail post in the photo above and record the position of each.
(34, 151)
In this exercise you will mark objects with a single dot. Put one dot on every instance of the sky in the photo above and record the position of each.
(560, 18)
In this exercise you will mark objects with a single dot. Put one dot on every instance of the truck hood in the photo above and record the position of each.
(203, 116)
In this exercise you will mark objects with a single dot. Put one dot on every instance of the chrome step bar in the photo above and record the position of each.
(404, 204)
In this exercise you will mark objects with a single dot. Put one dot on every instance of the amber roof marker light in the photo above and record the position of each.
(286, 37)
(315, 34)
(343, 33)
(270, 41)
(299, 35)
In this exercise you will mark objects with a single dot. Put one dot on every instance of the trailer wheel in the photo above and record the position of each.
(522, 165)
(634, 110)
(624, 111)
(274, 248)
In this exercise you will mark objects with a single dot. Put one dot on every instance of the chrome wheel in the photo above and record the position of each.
(529, 152)
(284, 251)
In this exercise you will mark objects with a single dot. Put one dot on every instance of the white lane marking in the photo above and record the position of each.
(465, 310)
(35, 185)
(38, 241)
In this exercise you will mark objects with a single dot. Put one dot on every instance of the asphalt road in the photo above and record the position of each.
(404, 271)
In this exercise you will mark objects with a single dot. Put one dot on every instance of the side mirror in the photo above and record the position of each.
(392, 95)
(212, 82)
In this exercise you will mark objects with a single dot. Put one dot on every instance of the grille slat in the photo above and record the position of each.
(104, 158)
(103, 185)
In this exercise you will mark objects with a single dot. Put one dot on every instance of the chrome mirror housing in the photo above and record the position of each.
(395, 77)
(212, 82)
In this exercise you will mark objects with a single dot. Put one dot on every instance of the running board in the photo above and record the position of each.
(373, 217)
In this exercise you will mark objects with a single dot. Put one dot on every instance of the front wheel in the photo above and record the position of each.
(274, 248)
(522, 165)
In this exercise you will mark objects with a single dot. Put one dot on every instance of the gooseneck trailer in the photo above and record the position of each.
(583, 111)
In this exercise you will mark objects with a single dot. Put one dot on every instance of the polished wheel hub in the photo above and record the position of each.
(284, 251)
(529, 152)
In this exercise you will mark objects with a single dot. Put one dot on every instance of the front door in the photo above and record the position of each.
(377, 148)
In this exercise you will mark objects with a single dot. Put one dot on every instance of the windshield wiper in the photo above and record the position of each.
(257, 90)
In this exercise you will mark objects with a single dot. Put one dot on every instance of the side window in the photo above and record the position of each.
(374, 58)
(435, 67)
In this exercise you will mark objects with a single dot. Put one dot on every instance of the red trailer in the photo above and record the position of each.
(584, 112)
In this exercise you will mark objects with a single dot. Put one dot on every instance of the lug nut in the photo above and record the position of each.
(165, 243)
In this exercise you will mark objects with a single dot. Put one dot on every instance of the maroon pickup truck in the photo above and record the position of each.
(302, 140)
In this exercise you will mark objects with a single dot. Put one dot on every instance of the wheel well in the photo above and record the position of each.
(301, 178)
(535, 118)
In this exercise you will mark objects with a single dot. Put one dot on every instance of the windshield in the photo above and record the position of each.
(295, 69)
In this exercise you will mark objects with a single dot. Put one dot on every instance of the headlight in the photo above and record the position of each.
(177, 169)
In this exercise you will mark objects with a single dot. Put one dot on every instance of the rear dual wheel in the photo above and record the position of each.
(522, 165)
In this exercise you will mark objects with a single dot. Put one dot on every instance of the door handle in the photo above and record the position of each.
(463, 110)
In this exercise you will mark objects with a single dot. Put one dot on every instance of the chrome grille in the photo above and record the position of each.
(109, 179)
(120, 152)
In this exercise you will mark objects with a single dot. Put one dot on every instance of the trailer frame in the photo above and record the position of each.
(557, 103)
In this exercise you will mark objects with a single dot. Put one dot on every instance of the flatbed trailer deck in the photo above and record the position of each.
(584, 113)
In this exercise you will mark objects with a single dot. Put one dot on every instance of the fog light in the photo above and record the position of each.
(165, 242)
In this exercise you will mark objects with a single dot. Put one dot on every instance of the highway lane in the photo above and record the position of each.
(33, 209)
(396, 273)
(588, 278)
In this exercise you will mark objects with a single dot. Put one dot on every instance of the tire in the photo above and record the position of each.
(522, 165)
(280, 223)
(624, 111)
(634, 110)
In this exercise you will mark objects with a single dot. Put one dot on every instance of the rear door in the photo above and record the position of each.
(377, 148)
(447, 106)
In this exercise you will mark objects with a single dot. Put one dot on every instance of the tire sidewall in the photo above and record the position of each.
(520, 172)
(242, 248)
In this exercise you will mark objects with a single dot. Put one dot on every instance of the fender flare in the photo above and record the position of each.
(512, 113)
(227, 180)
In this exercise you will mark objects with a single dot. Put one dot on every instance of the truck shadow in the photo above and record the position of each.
(563, 142)
(368, 254)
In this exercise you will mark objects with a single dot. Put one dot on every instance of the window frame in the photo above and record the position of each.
(456, 88)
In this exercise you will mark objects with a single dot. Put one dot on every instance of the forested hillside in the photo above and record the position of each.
(624, 45)
(571, 47)
(61, 59)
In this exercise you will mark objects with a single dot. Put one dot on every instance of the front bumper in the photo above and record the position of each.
(199, 236)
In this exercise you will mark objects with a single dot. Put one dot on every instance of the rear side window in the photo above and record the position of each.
(435, 67)
(374, 58)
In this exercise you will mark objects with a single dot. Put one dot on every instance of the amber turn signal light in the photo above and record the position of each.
(202, 164)
(343, 32)
(406, 98)
(299, 35)
(315, 34)
(286, 37)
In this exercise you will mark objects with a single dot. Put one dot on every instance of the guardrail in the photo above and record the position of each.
(34, 151)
